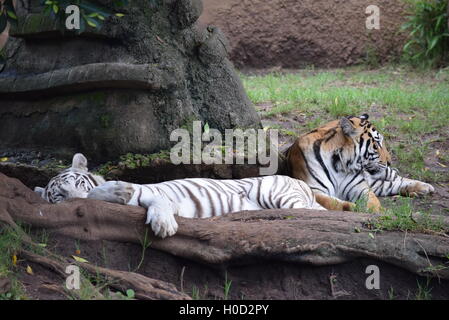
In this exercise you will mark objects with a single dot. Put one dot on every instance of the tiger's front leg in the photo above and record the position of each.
(415, 188)
(363, 191)
(388, 182)
(160, 210)
(161, 217)
(113, 191)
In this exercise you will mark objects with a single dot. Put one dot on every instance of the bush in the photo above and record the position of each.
(427, 23)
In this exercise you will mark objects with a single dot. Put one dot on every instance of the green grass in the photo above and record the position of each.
(10, 243)
(343, 92)
(401, 215)
(226, 287)
(423, 291)
(195, 293)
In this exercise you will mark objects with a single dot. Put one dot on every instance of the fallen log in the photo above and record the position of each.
(302, 236)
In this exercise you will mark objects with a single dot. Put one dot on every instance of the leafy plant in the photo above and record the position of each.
(423, 292)
(7, 14)
(427, 23)
(195, 293)
(91, 14)
(227, 287)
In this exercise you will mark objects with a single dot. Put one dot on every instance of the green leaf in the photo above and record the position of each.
(433, 43)
(11, 14)
(91, 22)
(440, 19)
(119, 15)
(130, 293)
(408, 44)
(55, 8)
(206, 127)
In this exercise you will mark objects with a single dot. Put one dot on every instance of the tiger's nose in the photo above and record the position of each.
(388, 163)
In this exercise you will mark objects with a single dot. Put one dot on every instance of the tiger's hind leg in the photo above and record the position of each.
(332, 203)
(373, 203)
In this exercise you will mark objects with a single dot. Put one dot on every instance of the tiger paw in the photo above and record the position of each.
(418, 189)
(162, 221)
(113, 191)
(124, 191)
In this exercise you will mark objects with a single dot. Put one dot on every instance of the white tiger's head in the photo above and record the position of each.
(74, 182)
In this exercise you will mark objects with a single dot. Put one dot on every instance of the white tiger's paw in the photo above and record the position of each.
(113, 191)
(124, 191)
(162, 221)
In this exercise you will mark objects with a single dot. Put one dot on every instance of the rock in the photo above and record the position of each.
(188, 12)
(295, 34)
(120, 89)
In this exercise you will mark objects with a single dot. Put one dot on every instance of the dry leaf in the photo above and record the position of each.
(3, 159)
(79, 259)
(14, 260)
(442, 165)
(30, 270)
(78, 252)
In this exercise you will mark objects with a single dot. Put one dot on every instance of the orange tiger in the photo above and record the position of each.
(346, 160)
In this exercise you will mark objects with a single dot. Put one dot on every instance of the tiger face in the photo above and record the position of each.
(74, 182)
(367, 142)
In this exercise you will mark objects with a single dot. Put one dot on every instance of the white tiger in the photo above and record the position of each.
(190, 198)
(74, 182)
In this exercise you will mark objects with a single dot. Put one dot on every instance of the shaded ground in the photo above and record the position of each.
(256, 281)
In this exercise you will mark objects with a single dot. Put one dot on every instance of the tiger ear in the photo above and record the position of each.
(364, 116)
(79, 162)
(39, 191)
(347, 127)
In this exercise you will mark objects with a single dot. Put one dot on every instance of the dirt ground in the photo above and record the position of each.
(264, 280)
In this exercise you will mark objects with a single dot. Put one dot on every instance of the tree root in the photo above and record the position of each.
(301, 236)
